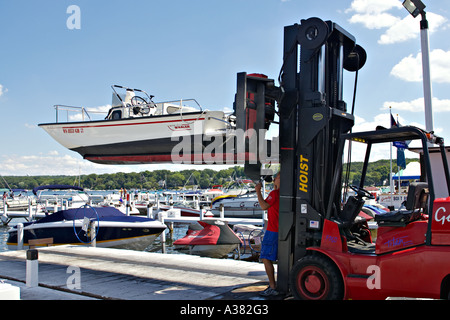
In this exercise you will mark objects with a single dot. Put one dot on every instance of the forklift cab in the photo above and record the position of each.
(348, 265)
(421, 197)
(420, 194)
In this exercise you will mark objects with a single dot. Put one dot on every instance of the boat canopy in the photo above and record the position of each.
(104, 214)
(56, 187)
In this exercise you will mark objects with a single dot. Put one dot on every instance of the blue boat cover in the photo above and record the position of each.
(104, 214)
(376, 209)
(56, 187)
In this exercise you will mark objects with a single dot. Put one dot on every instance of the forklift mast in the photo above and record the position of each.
(313, 116)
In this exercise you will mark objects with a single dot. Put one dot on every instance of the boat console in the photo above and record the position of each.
(138, 103)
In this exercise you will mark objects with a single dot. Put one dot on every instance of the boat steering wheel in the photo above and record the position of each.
(136, 101)
(140, 105)
(84, 233)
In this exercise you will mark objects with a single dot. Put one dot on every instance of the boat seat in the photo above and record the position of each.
(415, 205)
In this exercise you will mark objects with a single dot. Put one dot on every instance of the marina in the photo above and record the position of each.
(155, 272)
(339, 222)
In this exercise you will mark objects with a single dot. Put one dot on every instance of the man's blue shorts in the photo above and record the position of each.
(269, 248)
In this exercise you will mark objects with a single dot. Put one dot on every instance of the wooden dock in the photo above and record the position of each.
(130, 275)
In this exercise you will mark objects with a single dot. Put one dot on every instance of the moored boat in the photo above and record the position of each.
(56, 197)
(80, 226)
(237, 206)
(213, 238)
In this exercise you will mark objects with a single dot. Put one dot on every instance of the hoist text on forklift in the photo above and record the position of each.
(303, 174)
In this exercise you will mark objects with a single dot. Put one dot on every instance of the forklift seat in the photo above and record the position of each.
(415, 205)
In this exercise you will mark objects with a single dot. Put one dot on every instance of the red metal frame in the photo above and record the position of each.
(402, 265)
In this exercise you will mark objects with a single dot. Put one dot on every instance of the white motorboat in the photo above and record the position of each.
(52, 198)
(237, 206)
(138, 130)
(18, 201)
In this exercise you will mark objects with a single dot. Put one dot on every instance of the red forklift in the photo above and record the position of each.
(325, 248)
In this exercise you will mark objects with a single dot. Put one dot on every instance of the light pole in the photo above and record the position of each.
(416, 7)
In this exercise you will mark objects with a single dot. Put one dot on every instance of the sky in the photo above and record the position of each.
(193, 49)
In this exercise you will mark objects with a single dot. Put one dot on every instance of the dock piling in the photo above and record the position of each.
(149, 211)
(163, 234)
(93, 234)
(222, 211)
(30, 210)
(20, 236)
(32, 276)
(5, 208)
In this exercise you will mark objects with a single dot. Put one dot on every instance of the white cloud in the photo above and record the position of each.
(94, 112)
(373, 6)
(410, 68)
(409, 28)
(379, 151)
(362, 124)
(382, 150)
(374, 21)
(30, 126)
(53, 163)
(50, 163)
(440, 66)
(3, 90)
(403, 30)
(373, 13)
(417, 105)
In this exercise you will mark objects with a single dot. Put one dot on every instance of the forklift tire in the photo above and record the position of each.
(315, 277)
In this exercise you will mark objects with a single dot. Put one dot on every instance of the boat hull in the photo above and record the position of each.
(184, 211)
(210, 251)
(144, 139)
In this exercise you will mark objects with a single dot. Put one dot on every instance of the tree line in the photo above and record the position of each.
(145, 180)
(377, 175)
(377, 172)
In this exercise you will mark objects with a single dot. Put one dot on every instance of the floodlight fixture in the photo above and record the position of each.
(414, 7)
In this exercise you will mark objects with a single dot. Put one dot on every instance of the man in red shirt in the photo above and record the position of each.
(269, 249)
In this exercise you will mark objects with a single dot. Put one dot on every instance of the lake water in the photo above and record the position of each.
(3, 237)
(179, 231)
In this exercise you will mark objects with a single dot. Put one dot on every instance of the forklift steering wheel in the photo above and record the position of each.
(362, 192)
